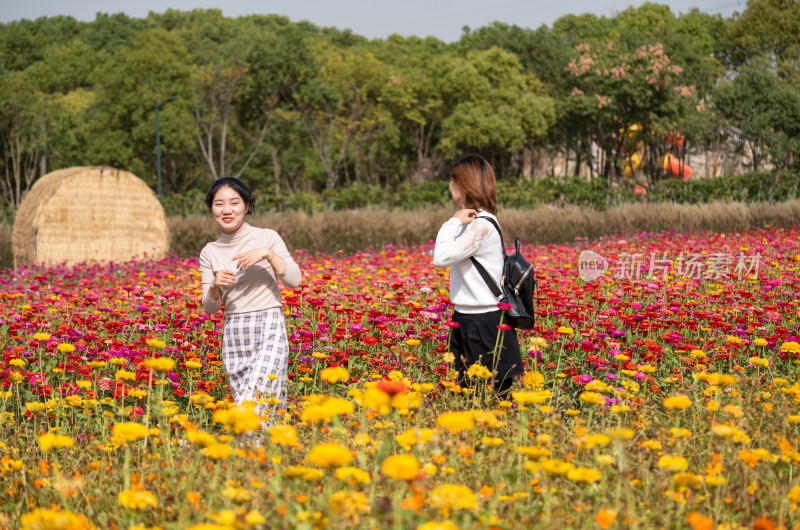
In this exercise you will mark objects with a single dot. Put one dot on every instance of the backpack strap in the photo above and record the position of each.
(482, 270)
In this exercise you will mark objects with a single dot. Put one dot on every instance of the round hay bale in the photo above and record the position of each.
(89, 213)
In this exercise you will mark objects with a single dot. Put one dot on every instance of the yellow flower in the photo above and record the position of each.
(563, 330)
(620, 434)
(201, 438)
(677, 402)
(283, 434)
(491, 441)
(136, 499)
(329, 455)
(16, 362)
(555, 466)
(790, 347)
(193, 365)
(34, 406)
(533, 452)
(449, 497)
(349, 504)
(532, 380)
(237, 495)
(537, 397)
(160, 364)
(676, 432)
(124, 374)
(239, 418)
(414, 437)
(449, 357)
(156, 344)
(352, 475)
(794, 494)
(592, 398)
(55, 441)
(308, 474)
(584, 474)
(758, 361)
(334, 375)
(479, 371)
(673, 463)
(412, 342)
(456, 422)
(43, 519)
(41, 336)
(438, 525)
(401, 467)
(326, 409)
(129, 432)
(66, 348)
(217, 451)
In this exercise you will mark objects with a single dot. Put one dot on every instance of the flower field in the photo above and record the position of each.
(649, 400)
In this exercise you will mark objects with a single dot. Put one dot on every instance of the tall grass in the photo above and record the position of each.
(348, 231)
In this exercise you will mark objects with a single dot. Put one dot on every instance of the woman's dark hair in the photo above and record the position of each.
(236, 185)
(475, 179)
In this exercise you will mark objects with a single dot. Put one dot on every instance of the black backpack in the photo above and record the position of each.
(517, 285)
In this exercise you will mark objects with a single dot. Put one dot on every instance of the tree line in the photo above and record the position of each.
(290, 106)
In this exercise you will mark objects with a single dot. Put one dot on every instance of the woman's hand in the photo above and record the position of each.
(223, 278)
(466, 216)
(245, 260)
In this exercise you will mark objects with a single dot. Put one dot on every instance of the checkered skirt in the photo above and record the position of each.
(255, 352)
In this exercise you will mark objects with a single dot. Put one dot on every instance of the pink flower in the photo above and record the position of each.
(503, 327)
(503, 306)
(452, 324)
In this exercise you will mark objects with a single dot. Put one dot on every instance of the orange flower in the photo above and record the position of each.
(763, 523)
(605, 518)
(700, 522)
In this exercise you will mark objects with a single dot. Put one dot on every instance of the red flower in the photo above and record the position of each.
(503, 306)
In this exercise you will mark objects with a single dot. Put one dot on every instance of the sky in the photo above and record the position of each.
(371, 18)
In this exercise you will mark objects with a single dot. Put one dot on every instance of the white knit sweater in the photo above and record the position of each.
(455, 243)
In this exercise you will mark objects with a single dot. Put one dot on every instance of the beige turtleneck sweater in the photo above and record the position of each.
(256, 288)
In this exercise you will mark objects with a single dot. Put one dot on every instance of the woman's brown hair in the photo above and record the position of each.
(475, 179)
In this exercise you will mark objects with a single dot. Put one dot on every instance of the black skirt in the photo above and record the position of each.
(474, 342)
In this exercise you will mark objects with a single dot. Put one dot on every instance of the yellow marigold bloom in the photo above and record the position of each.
(697, 353)
(760, 342)
(325, 410)
(555, 466)
(584, 474)
(125, 374)
(282, 434)
(676, 432)
(349, 504)
(41, 336)
(591, 441)
(34, 406)
(790, 347)
(491, 441)
(16, 362)
(43, 519)
(129, 432)
(412, 342)
(563, 330)
(596, 385)
(51, 441)
(376, 399)
(156, 344)
(677, 402)
(84, 384)
(604, 460)
(456, 422)
(653, 445)
(136, 499)
(401, 467)
(160, 364)
(794, 418)
(712, 405)
(309, 474)
(536, 397)
(673, 463)
(794, 494)
(532, 380)
(66, 348)
(239, 418)
(217, 451)
(329, 455)
(716, 480)
(537, 343)
(688, 479)
(733, 410)
(449, 497)
(758, 361)
(9, 465)
(193, 365)
(592, 398)
(620, 434)
(334, 375)
(449, 357)
(438, 525)
(254, 518)
(201, 438)
(414, 437)
(479, 371)
(237, 495)
(533, 452)
(352, 475)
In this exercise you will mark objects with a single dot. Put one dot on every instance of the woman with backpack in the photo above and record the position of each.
(477, 337)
